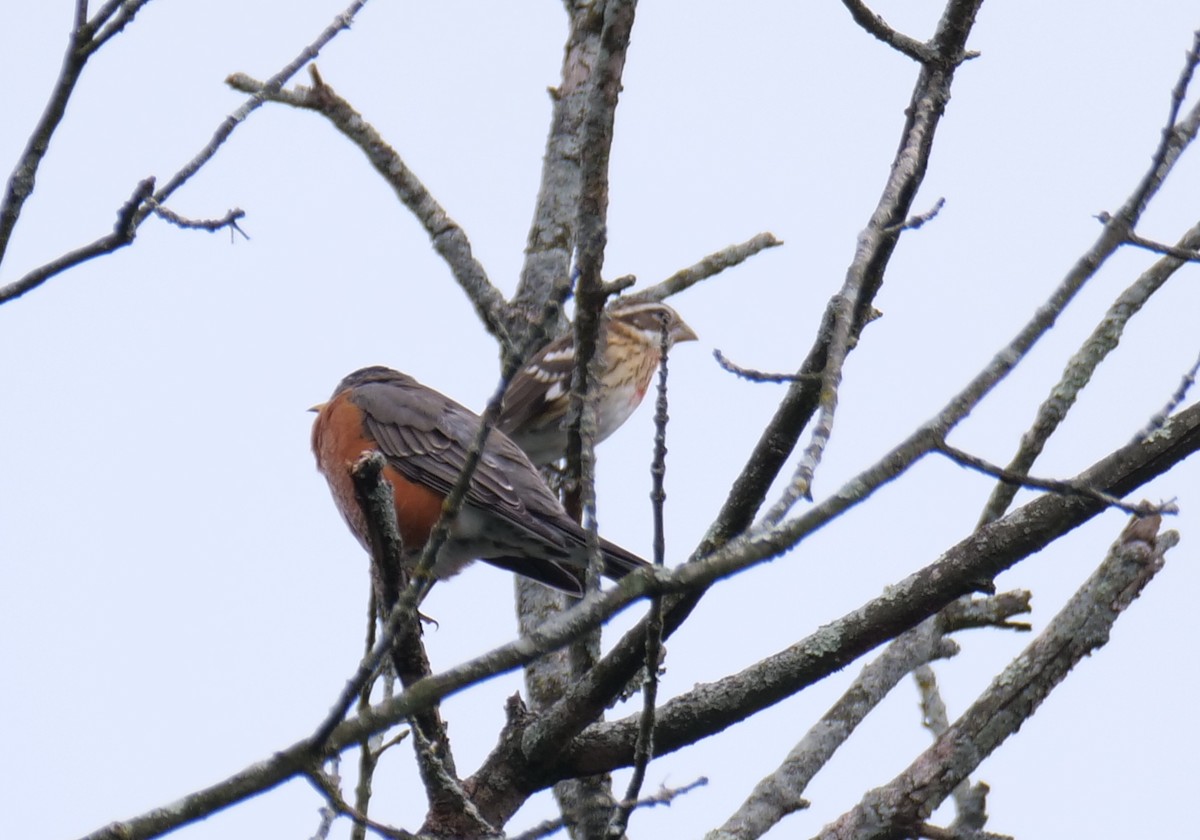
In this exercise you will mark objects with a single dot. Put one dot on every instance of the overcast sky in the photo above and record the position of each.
(178, 595)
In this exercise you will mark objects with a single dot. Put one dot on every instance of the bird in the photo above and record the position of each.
(509, 517)
(536, 408)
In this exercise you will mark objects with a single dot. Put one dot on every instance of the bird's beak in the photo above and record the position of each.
(317, 408)
(682, 332)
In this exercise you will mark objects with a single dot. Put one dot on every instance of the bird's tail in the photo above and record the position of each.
(617, 561)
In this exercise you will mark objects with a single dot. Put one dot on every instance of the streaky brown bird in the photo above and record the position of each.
(536, 409)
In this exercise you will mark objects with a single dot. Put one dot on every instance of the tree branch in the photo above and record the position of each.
(713, 264)
(127, 232)
(978, 558)
(448, 238)
(1066, 488)
(1082, 626)
(779, 794)
(878, 27)
(966, 567)
(853, 304)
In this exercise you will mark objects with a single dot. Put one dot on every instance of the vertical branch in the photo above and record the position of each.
(586, 803)
(551, 241)
(643, 749)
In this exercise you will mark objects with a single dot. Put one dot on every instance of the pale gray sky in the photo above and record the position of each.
(178, 595)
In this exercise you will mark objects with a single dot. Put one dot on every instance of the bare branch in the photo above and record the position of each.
(1066, 488)
(1082, 626)
(710, 266)
(1160, 416)
(328, 788)
(24, 175)
(1185, 254)
(431, 743)
(762, 376)
(982, 555)
(229, 220)
(643, 749)
(448, 238)
(665, 796)
(918, 221)
(779, 794)
(123, 233)
(21, 184)
(550, 247)
(111, 20)
(970, 802)
(850, 309)
(965, 568)
(902, 43)
(1078, 371)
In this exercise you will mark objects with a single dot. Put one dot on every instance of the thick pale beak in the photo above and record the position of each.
(317, 408)
(680, 331)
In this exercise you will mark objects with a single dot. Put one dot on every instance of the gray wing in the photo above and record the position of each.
(426, 435)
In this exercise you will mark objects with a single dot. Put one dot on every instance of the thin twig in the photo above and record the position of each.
(328, 788)
(603, 91)
(918, 221)
(1184, 254)
(1160, 416)
(762, 376)
(125, 12)
(1079, 370)
(643, 750)
(709, 266)
(970, 802)
(21, 186)
(665, 796)
(229, 220)
(24, 175)
(1066, 488)
(368, 751)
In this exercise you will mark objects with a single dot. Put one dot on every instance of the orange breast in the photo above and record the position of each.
(338, 441)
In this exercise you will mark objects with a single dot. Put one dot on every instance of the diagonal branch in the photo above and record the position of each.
(853, 303)
(964, 568)
(448, 238)
(108, 244)
(779, 794)
(1082, 626)
(980, 557)
(878, 27)
(850, 307)
(713, 264)
(1079, 370)
(1053, 485)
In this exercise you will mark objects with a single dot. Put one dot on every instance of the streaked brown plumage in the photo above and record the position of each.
(536, 407)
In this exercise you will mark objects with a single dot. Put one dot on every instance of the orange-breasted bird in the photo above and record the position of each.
(536, 409)
(509, 517)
